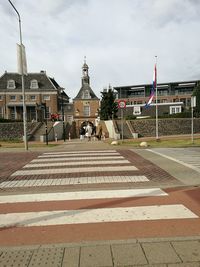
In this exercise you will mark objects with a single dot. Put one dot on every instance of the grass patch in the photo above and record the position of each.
(13, 144)
(162, 142)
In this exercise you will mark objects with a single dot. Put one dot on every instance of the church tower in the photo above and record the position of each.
(86, 103)
(85, 75)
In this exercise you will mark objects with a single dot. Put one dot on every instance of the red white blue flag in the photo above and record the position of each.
(153, 89)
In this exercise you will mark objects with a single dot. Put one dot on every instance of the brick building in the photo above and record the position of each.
(174, 97)
(43, 96)
(86, 104)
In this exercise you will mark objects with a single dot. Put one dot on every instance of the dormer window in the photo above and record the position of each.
(86, 94)
(11, 84)
(34, 84)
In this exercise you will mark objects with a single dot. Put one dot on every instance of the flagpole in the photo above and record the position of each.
(156, 99)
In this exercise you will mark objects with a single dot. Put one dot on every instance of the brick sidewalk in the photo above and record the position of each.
(12, 161)
(166, 252)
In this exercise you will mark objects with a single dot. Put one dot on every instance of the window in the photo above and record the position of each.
(86, 94)
(47, 112)
(32, 97)
(13, 97)
(175, 109)
(86, 111)
(163, 92)
(12, 113)
(21, 97)
(11, 84)
(46, 97)
(34, 84)
(1, 97)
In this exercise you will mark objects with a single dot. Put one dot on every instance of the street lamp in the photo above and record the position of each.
(62, 106)
(22, 77)
(44, 105)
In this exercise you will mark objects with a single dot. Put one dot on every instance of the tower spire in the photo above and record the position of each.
(85, 78)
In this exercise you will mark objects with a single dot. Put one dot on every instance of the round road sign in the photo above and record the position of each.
(122, 104)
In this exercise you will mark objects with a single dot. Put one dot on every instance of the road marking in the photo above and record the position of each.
(75, 181)
(79, 195)
(176, 160)
(79, 154)
(75, 170)
(101, 215)
(77, 163)
(75, 158)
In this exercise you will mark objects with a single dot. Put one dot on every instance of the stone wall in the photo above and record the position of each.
(165, 126)
(14, 130)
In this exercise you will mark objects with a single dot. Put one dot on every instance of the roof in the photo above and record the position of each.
(44, 82)
(179, 83)
(85, 87)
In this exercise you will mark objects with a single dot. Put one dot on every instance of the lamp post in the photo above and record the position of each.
(44, 105)
(63, 117)
(22, 77)
(193, 105)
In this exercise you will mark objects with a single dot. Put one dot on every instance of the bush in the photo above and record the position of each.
(8, 120)
(177, 115)
(130, 117)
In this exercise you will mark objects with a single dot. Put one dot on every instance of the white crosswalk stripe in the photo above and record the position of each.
(75, 158)
(91, 215)
(80, 195)
(91, 154)
(74, 170)
(63, 217)
(81, 152)
(77, 163)
(75, 181)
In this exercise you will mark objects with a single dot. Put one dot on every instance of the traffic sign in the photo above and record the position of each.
(193, 101)
(121, 104)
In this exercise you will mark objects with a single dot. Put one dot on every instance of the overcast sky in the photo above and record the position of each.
(120, 39)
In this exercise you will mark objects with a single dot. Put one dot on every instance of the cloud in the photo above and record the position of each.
(119, 38)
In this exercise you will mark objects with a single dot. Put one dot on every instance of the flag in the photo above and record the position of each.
(154, 85)
(21, 56)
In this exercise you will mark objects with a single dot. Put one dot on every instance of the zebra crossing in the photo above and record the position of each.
(98, 165)
(61, 216)
(84, 213)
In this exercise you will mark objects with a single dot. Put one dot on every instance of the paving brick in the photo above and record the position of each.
(12, 161)
(71, 257)
(187, 251)
(128, 254)
(17, 258)
(96, 256)
(160, 253)
(49, 257)
(188, 264)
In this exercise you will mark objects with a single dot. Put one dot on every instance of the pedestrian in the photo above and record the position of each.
(82, 133)
(93, 130)
(99, 131)
(88, 131)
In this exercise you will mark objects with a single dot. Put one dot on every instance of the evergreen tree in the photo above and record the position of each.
(197, 94)
(109, 107)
